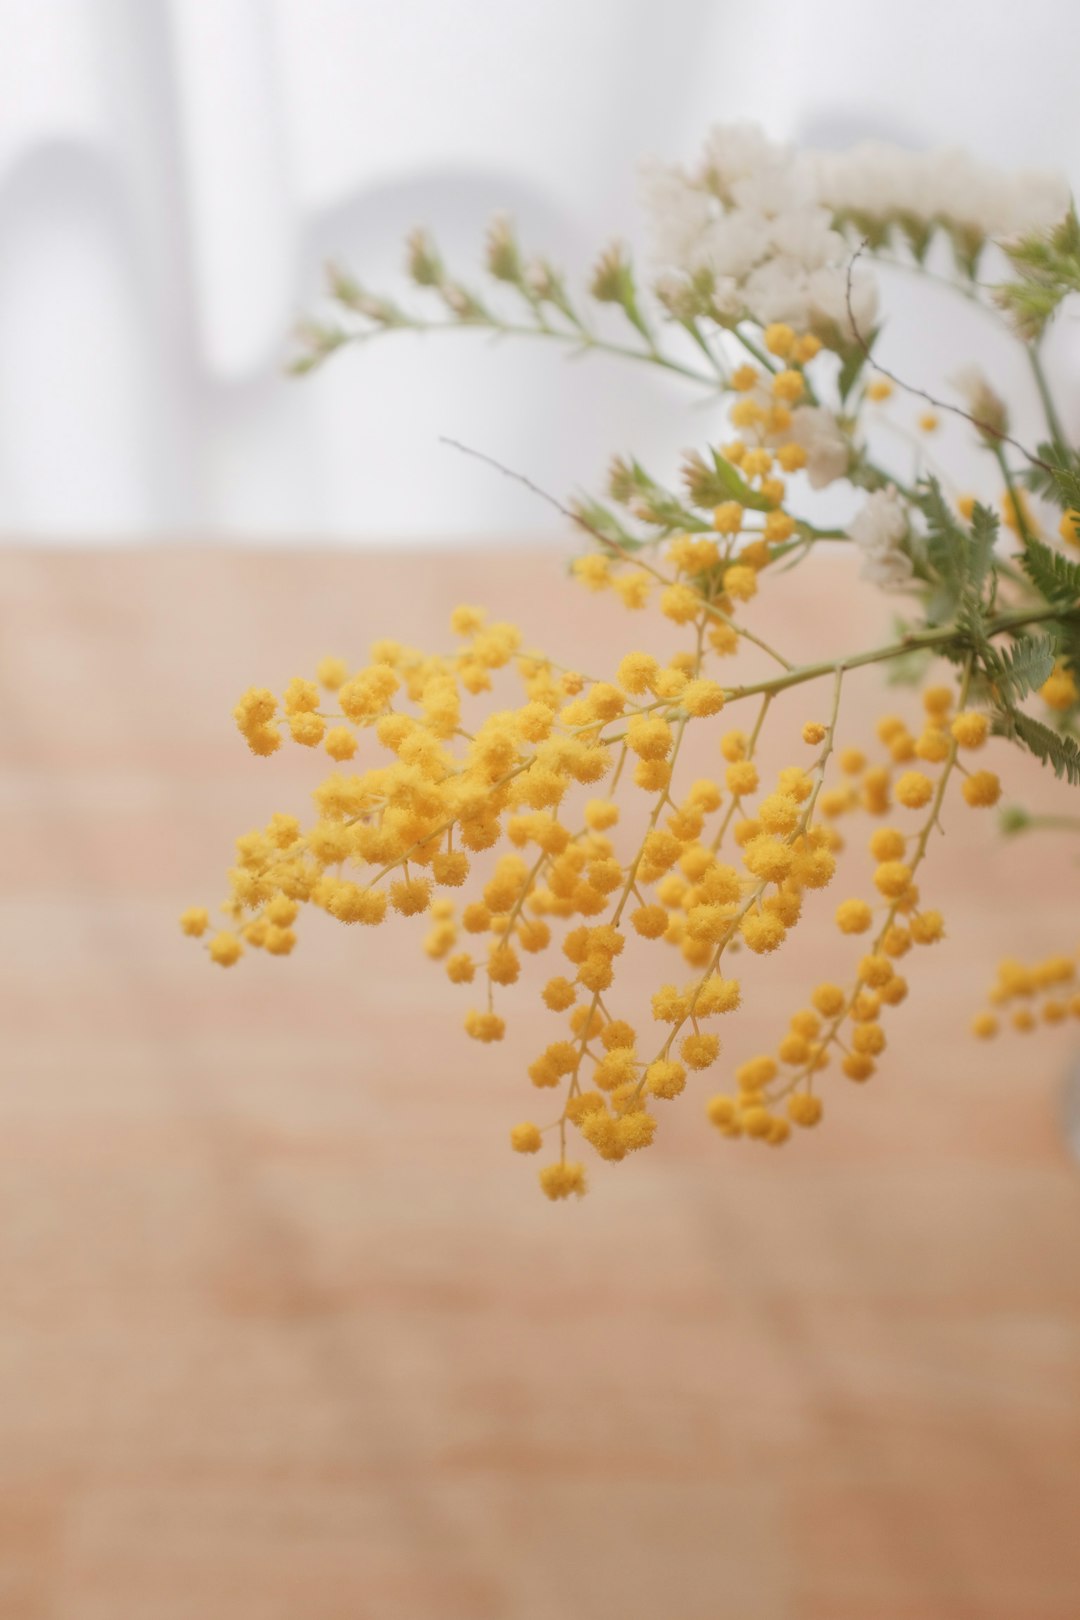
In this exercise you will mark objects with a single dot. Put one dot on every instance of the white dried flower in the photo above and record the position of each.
(827, 291)
(750, 216)
(677, 214)
(939, 187)
(879, 530)
(739, 151)
(827, 450)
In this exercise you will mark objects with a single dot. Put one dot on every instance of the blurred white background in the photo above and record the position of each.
(174, 172)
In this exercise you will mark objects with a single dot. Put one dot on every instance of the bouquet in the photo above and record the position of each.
(526, 810)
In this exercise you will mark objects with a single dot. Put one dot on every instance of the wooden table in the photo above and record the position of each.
(287, 1332)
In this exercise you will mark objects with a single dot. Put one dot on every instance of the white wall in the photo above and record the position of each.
(172, 173)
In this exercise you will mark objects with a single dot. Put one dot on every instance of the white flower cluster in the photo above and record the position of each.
(749, 221)
(757, 222)
(949, 188)
(879, 530)
(827, 450)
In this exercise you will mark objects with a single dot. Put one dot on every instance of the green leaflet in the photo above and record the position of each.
(961, 560)
(603, 522)
(734, 485)
(1061, 753)
(1059, 479)
(1054, 575)
(1023, 667)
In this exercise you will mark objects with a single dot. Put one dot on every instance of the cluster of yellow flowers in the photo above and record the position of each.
(1050, 983)
(560, 817)
(713, 868)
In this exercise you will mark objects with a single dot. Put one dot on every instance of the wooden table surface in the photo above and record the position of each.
(288, 1334)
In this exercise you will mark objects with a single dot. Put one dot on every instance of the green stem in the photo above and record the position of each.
(581, 339)
(1052, 823)
(948, 635)
(1053, 421)
(1014, 493)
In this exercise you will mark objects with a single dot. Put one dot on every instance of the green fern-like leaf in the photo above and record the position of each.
(1058, 479)
(1054, 575)
(1023, 667)
(961, 560)
(980, 548)
(1061, 753)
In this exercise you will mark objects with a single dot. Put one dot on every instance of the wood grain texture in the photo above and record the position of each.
(287, 1331)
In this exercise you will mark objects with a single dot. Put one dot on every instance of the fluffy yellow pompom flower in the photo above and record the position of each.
(526, 1138)
(933, 746)
(665, 1078)
(981, 789)
(875, 970)
(741, 582)
(763, 932)
(742, 777)
(253, 716)
(914, 789)
(779, 339)
(699, 1051)
(938, 700)
(225, 949)
(561, 1180)
(649, 737)
(593, 571)
(853, 916)
(768, 858)
(857, 1066)
(794, 1049)
(779, 526)
(788, 386)
(1060, 691)
(484, 1026)
(466, 620)
(723, 1112)
(804, 1110)
(892, 879)
(970, 729)
(460, 969)
(927, 928)
(306, 728)
(195, 921)
(778, 813)
(332, 673)
(1069, 527)
(887, 844)
(813, 732)
(680, 603)
(636, 673)
(701, 698)
(300, 697)
(340, 743)
(717, 995)
(410, 895)
(728, 517)
(829, 1000)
